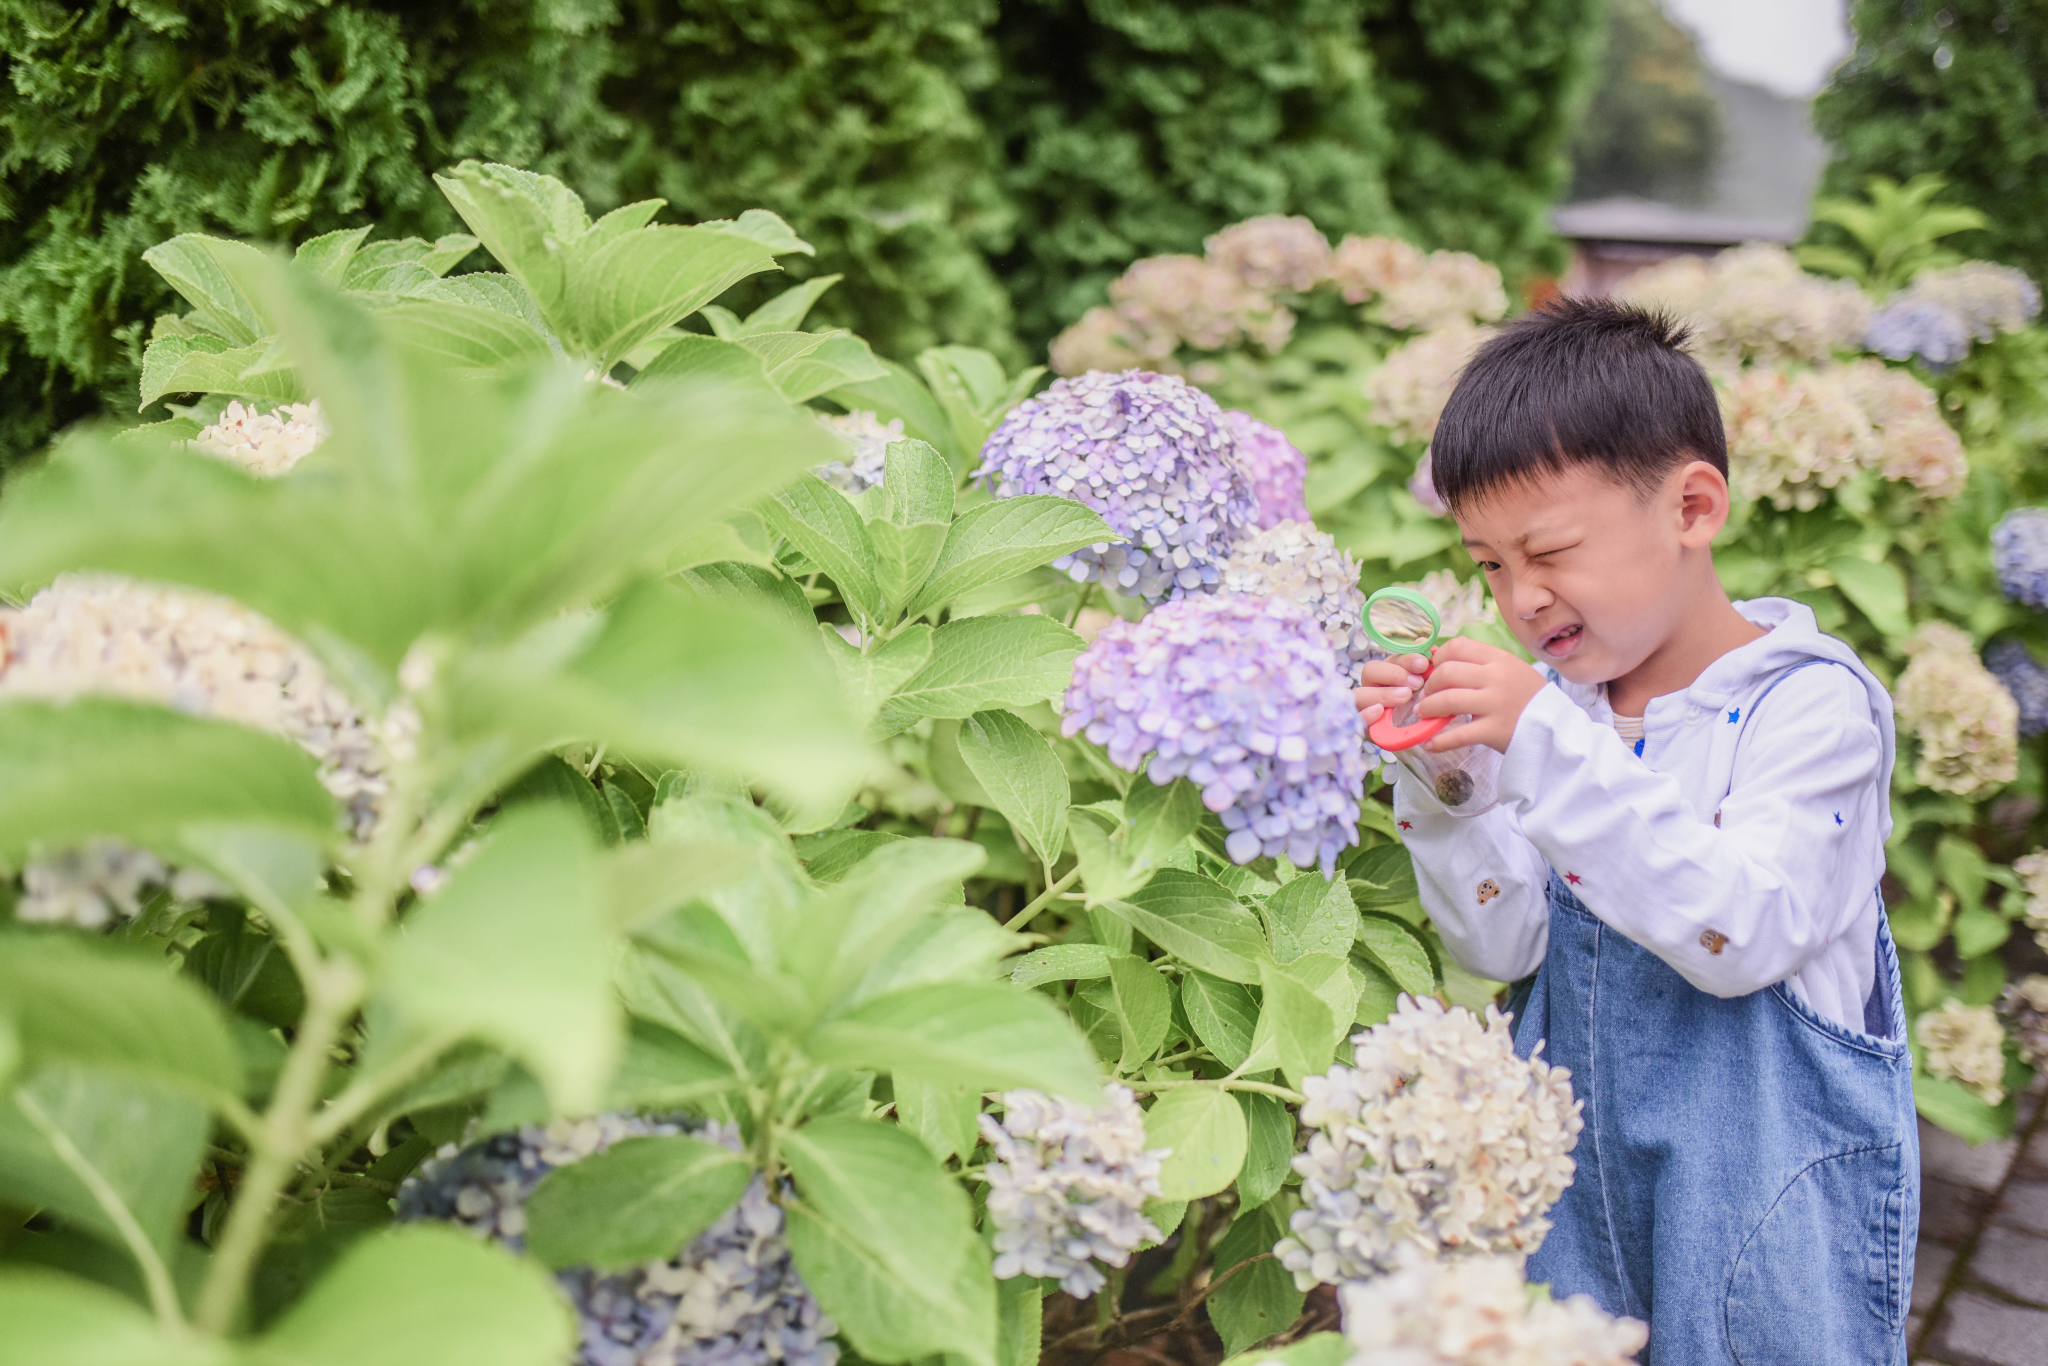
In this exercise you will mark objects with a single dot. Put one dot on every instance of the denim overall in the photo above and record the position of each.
(1749, 1174)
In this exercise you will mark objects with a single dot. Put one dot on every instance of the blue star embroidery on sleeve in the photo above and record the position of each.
(1838, 818)
(1734, 716)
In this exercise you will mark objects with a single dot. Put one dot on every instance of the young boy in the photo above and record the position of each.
(1693, 809)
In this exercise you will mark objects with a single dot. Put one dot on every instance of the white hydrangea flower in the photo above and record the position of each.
(1755, 301)
(1478, 1311)
(1437, 1141)
(2033, 871)
(265, 443)
(1067, 1186)
(1451, 287)
(1198, 303)
(1295, 560)
(1105, 340)
(1967, 724)
(91, 886)
(1965, 1044)
(1408, 391)
(2025, 1005)
(1272, 251)
(1459, 602)
(1913, 443)
(197, 653)
(1794, 434)
(1366, 267)
(867, 438)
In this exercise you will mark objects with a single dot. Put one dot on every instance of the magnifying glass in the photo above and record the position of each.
(1403, 622)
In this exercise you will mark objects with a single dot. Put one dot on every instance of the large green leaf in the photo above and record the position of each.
(885, 1240)
(1194, 918)
(513, 949)
(1310, 915)
(525, 220)
(1004, 538)
(204, 364)
(872, 673)
(623, 290)
(990, 1037)
(424, 1295)
(1024, 779)
(97, 766)
(695, 358)
(1269, 1148)
(52, 1318)
(462, 336)
(1061, 963)
(77, 1002)
(838, 936)
(1225, 1016)
(1296, 1028)
(900, 395)
(942, 1114)
(1205, 1130)
(818, 520)
(1398, 951)
(1144, 1008)
(1260, 1300)
(640, 1200)
(214, 275)
(988, 661)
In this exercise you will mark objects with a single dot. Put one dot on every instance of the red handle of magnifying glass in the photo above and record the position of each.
(1394, 739)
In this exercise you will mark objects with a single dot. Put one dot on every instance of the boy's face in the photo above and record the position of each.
(1590, 576)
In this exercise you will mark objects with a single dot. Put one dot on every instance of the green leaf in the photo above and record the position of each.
(1317, 1349)
(641, 1200)
(1877, 588)
(77, 1002)
(1159, 820)
(52, 1317)
(1269, 1149)
(1225, 1016)
(1193, 918)
(661, 1070)
(990, 1037)
(901, 396)
(1253, 1304)
(885, 1240)
(1020, 1318)
(214, 277)
(70, 771)
(141, 1140)
(826, 528)
(1978, 931)
(941, 1114)
(206, 365)
(839, 358)
(329, 254)
(1061, 963)
(374, 263)
(1001, 539)
(643, 879)
(625, 289)
(1144, 1005)
(917, 484)
(513, 950)
(988, 661)
(464, 337)
(873, 675)
(696, 358)
(787, 310)
(765, 228)
(424, 1295)
(1295, 1027)
(1381, 876)
(554, 779)
(842, 933)
(525, 220)
(970, 385)
(1024, 779)
(1961, 1111)
(1206, 1130)
(1398, 951)
(903, 556)
(1310, 915)
(1378, 993)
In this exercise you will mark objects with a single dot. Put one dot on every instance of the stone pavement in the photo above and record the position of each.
(1980, 1291)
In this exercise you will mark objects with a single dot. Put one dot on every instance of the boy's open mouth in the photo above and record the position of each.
(1562, 641)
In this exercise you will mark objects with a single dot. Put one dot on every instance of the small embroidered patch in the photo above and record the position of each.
(1713, 941)
(1639, 747)
(1573, 878)
(1734, 716)
(1488, 890)
(1717, 820)
(1838, 818)
(1406, 825)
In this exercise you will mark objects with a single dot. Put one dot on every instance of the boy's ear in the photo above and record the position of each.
(1702, 504)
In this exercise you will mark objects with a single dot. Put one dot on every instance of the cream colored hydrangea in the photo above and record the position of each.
(867, 438)
(264, 443)
(1452, 287)
(1105, 340)
(200, 654)
(1913, 443)
(1965, 1044)
(1272, 251)
(1754, 301)
(1408, 391)
(1366, 267)
(1295, 560)
(1478, 1311)
(2033, 871)
(1967, 724)
(1459, 602)
(1437, 1141)
(2025, 1006)
(1794, 434)
(1200, 304)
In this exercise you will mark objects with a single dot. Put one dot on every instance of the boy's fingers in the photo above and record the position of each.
(1456, 674)
(1457, 737)
(1452, 702)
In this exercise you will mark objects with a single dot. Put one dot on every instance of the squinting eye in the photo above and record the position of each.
(1489, 566)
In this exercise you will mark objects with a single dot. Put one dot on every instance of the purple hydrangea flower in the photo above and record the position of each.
(1908, 327)
(1153, 455)
(2013, 664)
(1422, 488)
(731, 1298)
(2019, 550)
(1243, 697)
(1277, 470)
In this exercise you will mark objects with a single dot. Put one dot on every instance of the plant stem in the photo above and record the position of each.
(366, 1091)
(1229, 1084)
(1042, 900)
(163, 1295)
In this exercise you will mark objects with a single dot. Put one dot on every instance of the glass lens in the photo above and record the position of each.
(1401, 621)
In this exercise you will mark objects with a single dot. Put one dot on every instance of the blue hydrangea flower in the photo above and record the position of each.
(1153, 454)
(731, 1298)
(2013, 664)
(2019, 550)
(1243, 697)
(1908, 327)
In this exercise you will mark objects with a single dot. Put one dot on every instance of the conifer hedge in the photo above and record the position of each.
(976, 170)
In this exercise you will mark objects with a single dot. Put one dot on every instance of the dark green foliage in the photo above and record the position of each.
(1483, 99)
(1130, 128)
(1653, 124)
(1957, 89)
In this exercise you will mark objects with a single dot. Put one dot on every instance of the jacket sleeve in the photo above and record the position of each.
(1481, 881)
(1733, 907)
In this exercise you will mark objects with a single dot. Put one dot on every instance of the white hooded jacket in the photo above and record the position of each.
(1743, 850)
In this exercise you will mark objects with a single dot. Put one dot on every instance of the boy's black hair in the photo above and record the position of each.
(1577, 382)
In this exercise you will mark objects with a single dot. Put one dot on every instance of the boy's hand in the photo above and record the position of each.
(1485, 680)
(1388, 683)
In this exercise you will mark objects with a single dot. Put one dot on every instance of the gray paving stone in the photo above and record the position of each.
(1931, 1264)
(1950, 1213)
(1980, 1167)
(2024, 1204)
(2014, 1262)
(2034, 1164)
(1976, 1329)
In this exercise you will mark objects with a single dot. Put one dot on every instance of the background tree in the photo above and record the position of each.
(1652, 125)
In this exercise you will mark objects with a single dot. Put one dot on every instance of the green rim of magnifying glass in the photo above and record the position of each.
(1410, 596)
